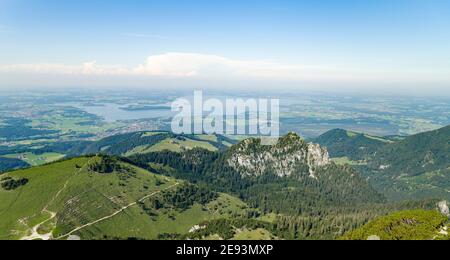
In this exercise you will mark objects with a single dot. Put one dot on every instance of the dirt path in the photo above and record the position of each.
(34, 230)
(116, 213)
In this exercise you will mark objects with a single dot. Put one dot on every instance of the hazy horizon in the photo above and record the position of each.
(400, 47)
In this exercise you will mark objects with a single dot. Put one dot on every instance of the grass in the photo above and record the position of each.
(170, 222)
(257, 234)
(79, 196)
(86, 197)
(347, 161)
(227, 206)
(35, 160)
(147, 134)
(378, 138)
(174, 145)
(271, 218)
(227, 144)
(27, 202)
(135, 223)
(351, 134)
(210, 138)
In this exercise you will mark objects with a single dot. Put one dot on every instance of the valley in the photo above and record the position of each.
(33, 124)
(71, 174)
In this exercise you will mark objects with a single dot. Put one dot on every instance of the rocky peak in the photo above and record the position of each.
(289, 155)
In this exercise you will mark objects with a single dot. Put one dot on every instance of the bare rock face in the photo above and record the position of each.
(289, 155)
(443, 208)
(317, 157)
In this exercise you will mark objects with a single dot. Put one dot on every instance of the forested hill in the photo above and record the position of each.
(404, 225)
(409, 168)
(290, 176)
(417, 154)
(355, 146)
(417, 167)
(322, 203)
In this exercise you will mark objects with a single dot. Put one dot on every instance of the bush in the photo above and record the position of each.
(11, 184)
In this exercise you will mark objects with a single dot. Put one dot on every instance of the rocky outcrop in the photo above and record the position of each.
(317, 157)
(289, 155)
(443, 208)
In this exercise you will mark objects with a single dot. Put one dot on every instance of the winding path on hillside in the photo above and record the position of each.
(34, 230)
(116, 212)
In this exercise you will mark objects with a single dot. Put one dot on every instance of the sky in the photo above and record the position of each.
(381, 45)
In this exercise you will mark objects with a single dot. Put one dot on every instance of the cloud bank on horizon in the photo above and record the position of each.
(206, 69)
(180, 65)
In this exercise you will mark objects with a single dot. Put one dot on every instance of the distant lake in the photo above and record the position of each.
(113, 112)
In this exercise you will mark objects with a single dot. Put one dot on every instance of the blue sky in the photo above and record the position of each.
(328, 42)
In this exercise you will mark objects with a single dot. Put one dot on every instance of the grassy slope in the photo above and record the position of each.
(173, 145)
(257, 234)
(78, 197)
(86, 196)
(345, 160)
(170, 222)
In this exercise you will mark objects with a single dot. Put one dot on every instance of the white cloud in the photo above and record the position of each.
(214, 68)
(184, 65)
(87, 68)
(44, 68)
(189, 65)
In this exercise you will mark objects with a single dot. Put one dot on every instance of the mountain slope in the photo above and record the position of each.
(297, 171)
(417, 154)
(417, 167)
(414, 167)
(102, 197)
(290, 176)
(311, 197)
